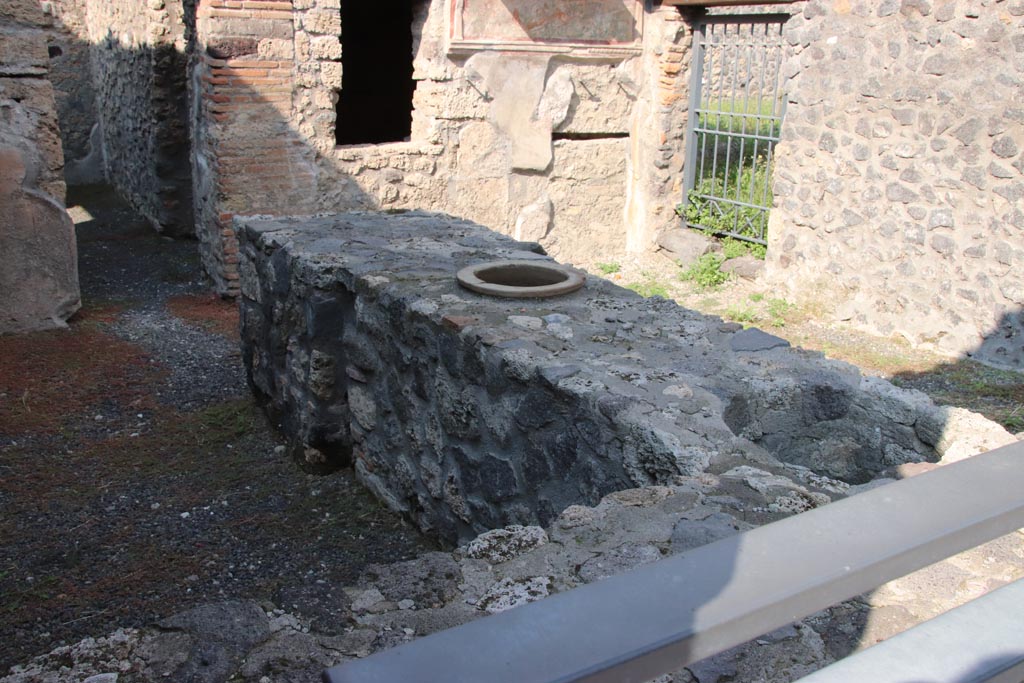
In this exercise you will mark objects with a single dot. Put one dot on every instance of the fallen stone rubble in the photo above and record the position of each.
(505, 568)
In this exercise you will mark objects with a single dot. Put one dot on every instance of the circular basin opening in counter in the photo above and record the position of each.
(520, 279)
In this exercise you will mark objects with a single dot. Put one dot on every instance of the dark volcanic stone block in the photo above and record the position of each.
(467, 412)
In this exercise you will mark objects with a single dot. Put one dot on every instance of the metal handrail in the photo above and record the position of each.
(661, 617)
(982, 641)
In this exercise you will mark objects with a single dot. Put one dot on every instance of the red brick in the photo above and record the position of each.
(271, 14)
(251, 64)
(237, 13)
(267, 4)
(256, 80)
(234, 72)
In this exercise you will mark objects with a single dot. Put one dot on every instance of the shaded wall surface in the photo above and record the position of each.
(38, 263)
(70, 69)
(127, 112)
(899, 182)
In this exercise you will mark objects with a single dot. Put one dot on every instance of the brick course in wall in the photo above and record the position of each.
(250, 159)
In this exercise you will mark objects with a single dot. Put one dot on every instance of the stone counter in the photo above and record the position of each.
(468, 413)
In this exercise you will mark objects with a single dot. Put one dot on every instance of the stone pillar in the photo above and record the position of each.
(655, 183)
(262, 115)
(38, 261)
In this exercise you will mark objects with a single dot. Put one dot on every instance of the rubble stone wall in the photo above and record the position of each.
(38, 261)
(139, 74)
(899, 182)
(70, 68)
(468, 412)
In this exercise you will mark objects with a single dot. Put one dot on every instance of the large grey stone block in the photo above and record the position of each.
(38, 261)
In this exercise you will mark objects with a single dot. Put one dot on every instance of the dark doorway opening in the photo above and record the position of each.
(375, 104)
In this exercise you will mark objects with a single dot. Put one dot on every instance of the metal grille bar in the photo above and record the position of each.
(736, 112)
(658, 618)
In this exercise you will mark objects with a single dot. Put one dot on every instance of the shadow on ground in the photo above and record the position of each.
(138, 477)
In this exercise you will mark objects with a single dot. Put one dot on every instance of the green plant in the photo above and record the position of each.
(708, 210)
(609, 268)
(756, 297)
(734, 171)
(734, 248)
(706, 272)
(752, 117)
(778, 309)
(739, 314)
(649, 288)
(1014, 422)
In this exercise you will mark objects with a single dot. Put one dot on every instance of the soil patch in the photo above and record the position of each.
(50, 379)
(209, 312)
(138, 477)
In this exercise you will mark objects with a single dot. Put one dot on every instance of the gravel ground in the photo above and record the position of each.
(137, 477)
(202, 367)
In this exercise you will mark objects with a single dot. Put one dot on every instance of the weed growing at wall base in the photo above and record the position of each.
(712, 205)
(733, 248)
(732, 190)
(706, 272)
(649, 288)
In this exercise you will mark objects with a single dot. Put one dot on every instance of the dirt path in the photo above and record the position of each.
(137, 478)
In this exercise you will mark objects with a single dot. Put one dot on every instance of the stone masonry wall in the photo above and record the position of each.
(38, 261)
(657, 140)
(900, 178)
(533, 145)
(70, 67)
(547, 147)
(468, 412)
(248, 157)
(137, 55)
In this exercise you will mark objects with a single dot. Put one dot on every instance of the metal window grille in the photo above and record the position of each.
(736, 111)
